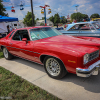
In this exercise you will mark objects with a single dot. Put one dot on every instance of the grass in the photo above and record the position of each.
(15, 88)
(1, 54)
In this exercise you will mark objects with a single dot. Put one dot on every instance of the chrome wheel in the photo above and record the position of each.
(53, 67)
(5, 52)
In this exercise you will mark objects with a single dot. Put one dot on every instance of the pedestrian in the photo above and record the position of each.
(8, 29)
(15, 28)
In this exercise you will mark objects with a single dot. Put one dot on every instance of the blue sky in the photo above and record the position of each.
(63, 7)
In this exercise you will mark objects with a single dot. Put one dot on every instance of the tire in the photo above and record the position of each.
(6, 54)
(54, 67)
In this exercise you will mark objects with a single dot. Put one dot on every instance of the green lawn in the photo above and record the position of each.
(1, 54)
(16, 88)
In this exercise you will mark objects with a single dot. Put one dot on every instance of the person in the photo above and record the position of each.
(15, 28)
(8, 29)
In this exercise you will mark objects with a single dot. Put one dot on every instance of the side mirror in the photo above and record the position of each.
(24, 39)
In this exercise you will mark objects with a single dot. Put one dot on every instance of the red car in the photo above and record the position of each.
(58, 53)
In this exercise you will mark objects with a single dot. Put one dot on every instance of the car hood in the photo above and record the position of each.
(69, 43)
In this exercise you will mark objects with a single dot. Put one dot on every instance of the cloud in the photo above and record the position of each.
(62, 7)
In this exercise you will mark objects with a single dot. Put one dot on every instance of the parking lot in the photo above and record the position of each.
(70, 87)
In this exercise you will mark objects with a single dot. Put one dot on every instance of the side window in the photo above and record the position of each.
(20, 34)
(17, 36)
(75, 27)
(85, 27)
(11, 34)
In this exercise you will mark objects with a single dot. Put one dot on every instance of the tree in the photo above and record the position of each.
(95, 15)
(56, 19)
(63, 20)
(28, 19)
(78, 16)
(37, 19)
(51, 19)
(43, 18)
(2, 9)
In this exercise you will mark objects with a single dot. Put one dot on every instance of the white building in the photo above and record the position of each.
(49, 23)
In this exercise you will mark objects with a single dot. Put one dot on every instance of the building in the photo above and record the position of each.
(49, 23)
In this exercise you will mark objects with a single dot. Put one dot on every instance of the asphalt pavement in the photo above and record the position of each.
(71, 87)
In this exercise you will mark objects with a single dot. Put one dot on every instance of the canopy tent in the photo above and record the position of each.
(7, 19)
(3, 27)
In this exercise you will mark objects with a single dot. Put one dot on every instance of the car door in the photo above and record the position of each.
(23, 49)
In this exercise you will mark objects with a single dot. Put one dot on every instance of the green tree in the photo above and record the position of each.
(2, 9)
(43, 18)
(63, 20)
(56, 19)
(78, 16)
(95, 15)
(28, 19)
(37, 19)
(51, 19)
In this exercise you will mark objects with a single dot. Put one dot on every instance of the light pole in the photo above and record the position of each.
(32, 12)
(44, 7)
(77, 10)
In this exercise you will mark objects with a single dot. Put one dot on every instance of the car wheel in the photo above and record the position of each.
(54, 67)
(6, 54)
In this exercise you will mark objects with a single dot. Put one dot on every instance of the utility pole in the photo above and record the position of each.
(44, 7)
(77, 10)
(32, 12)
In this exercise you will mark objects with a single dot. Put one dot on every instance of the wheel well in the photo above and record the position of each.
(2, 47)
(42, 57)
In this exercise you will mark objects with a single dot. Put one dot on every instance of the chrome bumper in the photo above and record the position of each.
(92, 70)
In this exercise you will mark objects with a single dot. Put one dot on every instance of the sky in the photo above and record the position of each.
(62, 7)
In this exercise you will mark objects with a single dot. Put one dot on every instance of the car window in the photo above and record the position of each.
(40, 33)
(11, 34)
(75, 27)
(20, 34)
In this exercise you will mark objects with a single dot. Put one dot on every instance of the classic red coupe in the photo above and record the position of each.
(58, 53)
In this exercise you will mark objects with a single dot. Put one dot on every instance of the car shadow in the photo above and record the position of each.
(29, 63)
(91, 83)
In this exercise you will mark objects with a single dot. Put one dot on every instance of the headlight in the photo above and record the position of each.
(86, 58)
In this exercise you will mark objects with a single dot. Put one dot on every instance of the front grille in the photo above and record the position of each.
(93, 55)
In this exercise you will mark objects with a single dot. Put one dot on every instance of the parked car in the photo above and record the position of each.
(58, 53)
(89, 29)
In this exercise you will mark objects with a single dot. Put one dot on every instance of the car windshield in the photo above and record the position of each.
(96, 25)
(40, 33)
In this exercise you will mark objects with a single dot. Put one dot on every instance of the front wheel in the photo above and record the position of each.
(6, 54)
(54, 67)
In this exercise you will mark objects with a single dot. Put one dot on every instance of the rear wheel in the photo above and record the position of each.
(6, 54)
(54, 67)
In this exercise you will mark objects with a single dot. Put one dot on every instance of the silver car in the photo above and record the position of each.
(90, 29)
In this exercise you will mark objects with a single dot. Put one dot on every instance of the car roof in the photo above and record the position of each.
(28, 28)
(71, 25)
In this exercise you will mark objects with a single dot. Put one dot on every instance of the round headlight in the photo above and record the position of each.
(86, 58)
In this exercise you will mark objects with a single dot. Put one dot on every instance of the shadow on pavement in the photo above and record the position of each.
(91, 83)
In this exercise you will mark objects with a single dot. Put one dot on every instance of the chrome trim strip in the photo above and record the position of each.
(90, 71)
(21, 49)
